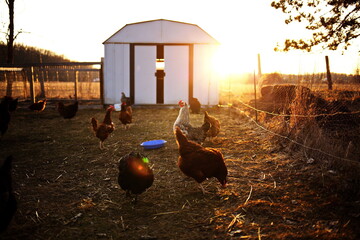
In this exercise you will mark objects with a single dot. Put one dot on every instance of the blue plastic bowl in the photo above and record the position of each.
(153, 144)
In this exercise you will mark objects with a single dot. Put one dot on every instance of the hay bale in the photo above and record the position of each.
(283, 93)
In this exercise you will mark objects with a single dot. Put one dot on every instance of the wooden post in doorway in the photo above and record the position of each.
(328, 73)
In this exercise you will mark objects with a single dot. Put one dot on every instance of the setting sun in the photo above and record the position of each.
(231, 59)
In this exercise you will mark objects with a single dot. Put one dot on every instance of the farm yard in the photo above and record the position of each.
(67, 187)
(283, 165)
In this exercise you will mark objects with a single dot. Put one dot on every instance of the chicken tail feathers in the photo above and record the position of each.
(205, 127)
(94, 124)
(129, 109)
(206, 116)
(180, 137)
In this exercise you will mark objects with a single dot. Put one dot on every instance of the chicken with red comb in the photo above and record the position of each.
(103, 130)
(200, 163)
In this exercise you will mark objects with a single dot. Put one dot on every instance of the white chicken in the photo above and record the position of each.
(196, 134)
(183, 119)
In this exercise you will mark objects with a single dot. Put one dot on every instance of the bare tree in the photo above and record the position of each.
(10, 35)
(334, 23)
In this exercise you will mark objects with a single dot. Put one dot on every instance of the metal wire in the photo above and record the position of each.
(295, 115)
(295, 142)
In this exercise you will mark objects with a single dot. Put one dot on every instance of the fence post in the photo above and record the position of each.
(32, 87)
(76, 84)
(9, 81)
(328, 73)
(259, 66)
(102, 82)
(42, 82)
(256, 114)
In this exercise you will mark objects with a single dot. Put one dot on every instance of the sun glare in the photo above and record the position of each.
(230, 59)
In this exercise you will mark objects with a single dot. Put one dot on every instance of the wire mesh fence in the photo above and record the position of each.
(52, 81)
(303, 116)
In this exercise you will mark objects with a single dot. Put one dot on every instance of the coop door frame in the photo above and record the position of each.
(144, 78)
(150, 93)
(176, 84)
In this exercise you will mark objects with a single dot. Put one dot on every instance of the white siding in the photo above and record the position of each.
(176, 84)
(145, 80)
(206, 87)
(109, 73)
(116, 72)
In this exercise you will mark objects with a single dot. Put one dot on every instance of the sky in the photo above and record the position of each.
(78, 28)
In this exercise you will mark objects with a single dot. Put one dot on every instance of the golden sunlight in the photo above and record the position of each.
(231, 59)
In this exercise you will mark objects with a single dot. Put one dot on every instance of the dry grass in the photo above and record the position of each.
(54, 90)
(67, 187)
(332, 140)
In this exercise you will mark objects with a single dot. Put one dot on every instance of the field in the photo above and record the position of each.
(54, 90)
(67, 187)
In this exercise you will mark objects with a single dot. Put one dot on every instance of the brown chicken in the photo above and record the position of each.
(103, 130)
(199, 162)
(214, 125)
(195, 105)
(68, 111)
(39, 106)
(125, 99)
(125, 115)
(135, 175)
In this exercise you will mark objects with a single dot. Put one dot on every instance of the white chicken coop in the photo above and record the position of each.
(160, 62)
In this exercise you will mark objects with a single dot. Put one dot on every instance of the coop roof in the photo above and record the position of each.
(161, 31)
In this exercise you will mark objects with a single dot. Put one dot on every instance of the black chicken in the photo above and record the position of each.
(135, 175)
(8, 204)
(11, 102)
(68, 111)
(4, 117)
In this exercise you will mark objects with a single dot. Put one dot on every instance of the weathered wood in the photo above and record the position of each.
(50, 64)
(328, 73)
(32, 88)
(76, 85)
(102, 81)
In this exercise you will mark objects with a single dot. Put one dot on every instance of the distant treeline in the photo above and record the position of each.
(310, 78)
(27, 54)
(314, 78)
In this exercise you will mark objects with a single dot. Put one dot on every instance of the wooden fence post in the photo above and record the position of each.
(9, 86)
(328, 73)
(32, 87)
(76, 84)
(102, 81)
(256, 113)
(259, 66)
(41, 80)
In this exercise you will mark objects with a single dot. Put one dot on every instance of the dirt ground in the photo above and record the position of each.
(67, 187)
